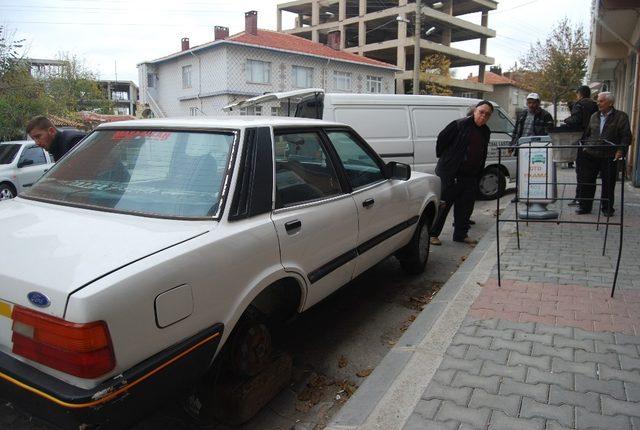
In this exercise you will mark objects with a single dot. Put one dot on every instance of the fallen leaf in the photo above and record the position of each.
(364, 373)
(392, 342)
(342, 362)
(463, 258)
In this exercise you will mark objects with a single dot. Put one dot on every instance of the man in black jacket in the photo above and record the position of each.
(462, 151)
(579, 120)
(48, 137)
(607, 126)
(534, 121)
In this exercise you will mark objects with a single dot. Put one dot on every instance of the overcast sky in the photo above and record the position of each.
(112, 36)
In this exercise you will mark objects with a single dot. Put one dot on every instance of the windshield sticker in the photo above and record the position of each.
(139, 134)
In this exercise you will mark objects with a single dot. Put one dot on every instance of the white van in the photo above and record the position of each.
(399, 127)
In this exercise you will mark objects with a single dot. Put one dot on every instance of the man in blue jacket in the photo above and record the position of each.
(48, 137)
(462, 151)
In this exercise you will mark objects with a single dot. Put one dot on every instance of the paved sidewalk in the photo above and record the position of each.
(549, 349)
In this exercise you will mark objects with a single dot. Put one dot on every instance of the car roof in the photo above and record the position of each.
(217, 122)
(18, 142)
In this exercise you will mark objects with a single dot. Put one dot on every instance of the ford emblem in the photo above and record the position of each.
(38, 299)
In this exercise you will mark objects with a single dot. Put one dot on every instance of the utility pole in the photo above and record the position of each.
(416, 48)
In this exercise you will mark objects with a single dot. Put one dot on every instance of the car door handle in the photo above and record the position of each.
(293, 225)
(368, 203)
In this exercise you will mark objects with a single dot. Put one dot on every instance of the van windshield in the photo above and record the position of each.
(500, 123)
(310, 107)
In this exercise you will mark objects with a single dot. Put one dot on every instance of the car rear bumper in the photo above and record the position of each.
(117, 402)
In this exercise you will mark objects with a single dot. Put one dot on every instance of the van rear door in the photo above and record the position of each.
(427, 122)
(386, 129)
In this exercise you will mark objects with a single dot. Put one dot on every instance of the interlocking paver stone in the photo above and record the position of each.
(436, 391)
(511, 325)
(563, 414)
(476, 417)
(618, 407)
(501, 334)
(629, 363)
(580, 334)
(554, 351)
(427, 408)
(457, 351)
(417, 422)
(607, 373)
(444, 376)
(560, 396)
(507, 404)
(469, 366)
(516, 373)
(481, 342)
(589, 420)
(500, 421)
(487, 383)
(542, 363)
(587, 369)
(629, 350)
(546, 339)
(549, 329)
(535, 376)
(623, 339)
(633, 391)
(563, 342)
(499, 356)
(590, 385)
(521, 347)
(609, 359)
(537, 391)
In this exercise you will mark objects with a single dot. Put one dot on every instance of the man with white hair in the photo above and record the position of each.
(607, 126)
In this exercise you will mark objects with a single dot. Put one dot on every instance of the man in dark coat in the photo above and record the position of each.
(462, 151)
(48, 137)
(581, 113)
(534, 121)
(607, 126)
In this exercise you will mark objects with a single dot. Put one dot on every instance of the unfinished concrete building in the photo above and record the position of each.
(384, 30)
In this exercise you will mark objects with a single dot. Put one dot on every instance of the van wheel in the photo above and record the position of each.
(7, 191)
(492, 184)
(413, 257)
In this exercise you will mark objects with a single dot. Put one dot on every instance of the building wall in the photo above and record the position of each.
(219, 77)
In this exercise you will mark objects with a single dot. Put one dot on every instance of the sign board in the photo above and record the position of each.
(536, 170)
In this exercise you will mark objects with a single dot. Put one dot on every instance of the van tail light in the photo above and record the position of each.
(82, 350)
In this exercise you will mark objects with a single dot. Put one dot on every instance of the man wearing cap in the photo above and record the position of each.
(534, 121)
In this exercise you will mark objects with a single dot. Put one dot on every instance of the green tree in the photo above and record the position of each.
(72, 88)
(435, 75)
(554, 68)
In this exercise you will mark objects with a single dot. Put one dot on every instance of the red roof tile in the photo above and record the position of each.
(495, 79)
(289, 42)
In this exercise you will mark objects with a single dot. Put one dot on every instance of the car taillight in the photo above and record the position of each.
(82, 350)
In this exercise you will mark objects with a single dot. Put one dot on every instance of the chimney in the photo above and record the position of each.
(185, 43)
(333, 39)
(496, 69)
(251, 22)
(220, 32)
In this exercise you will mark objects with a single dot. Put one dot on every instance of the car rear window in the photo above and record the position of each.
(158, 173)
(8, 153)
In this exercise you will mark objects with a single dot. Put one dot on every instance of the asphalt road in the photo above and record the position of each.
(335, 344)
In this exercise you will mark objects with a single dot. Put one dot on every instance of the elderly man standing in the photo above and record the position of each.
(462, 151)
(607, 126)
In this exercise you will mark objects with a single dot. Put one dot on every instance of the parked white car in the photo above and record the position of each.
(22, 163)
(155, 238)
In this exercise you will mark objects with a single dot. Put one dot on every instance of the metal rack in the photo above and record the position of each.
(620, 166)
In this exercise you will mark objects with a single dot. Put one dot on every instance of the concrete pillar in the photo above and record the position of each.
(315, 20)
(342, 10)
(484, 21)
(279, 20)
(362, 34)
(447, 8)
(343, 37)
(401, 55)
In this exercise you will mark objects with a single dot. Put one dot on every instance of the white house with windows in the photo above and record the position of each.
(200, 80)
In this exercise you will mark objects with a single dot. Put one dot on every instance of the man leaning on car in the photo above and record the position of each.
(48, 137)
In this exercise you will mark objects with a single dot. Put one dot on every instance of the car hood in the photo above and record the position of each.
(55, 250)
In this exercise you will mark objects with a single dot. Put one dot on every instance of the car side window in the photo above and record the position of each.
(304, 171)
(361, 167)
(34, 154)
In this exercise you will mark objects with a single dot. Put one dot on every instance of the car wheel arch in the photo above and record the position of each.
(11, 187)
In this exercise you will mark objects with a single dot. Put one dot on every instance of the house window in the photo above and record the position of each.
(186, 76)
(342, 81)
(275, 111)
(374, 84)
(193, 111)
(151, 80)
(258, 72)
(302, 77)
(468, 95)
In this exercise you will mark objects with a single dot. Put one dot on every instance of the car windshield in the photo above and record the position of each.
(8, 152)
(172, 174)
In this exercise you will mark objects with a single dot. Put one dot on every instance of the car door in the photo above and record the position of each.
(315, 217)
(31, 166)
(383, 212)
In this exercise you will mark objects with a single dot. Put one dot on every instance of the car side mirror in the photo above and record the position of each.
(397, 170)
(23, 163)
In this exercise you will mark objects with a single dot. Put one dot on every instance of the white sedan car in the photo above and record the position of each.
(164, 246)
(22, 163)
